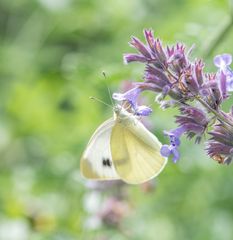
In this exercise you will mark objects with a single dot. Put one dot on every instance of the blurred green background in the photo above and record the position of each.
(53, 53)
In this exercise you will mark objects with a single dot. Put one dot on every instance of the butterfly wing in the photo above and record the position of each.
(96, 161)
(135, 152)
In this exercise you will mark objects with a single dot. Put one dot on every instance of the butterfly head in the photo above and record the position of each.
(122, 113)
(117, 109)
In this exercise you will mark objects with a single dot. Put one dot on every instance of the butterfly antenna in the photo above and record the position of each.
(109, 91)
(98, 100)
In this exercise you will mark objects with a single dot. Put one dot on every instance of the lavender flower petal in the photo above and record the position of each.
(128, 57)
(130, 96)
(165, 151)
(135, 42)
(229, 80)
(149, 36)
(176, 155)
(223, 60)
(172, 149)
(143, 111)
(223, 85)
(193, 121)
(220, 145)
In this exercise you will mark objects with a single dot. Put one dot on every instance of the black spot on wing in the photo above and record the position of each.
(106, 162)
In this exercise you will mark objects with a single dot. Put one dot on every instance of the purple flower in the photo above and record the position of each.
(131, 97)
(223, 84)
(179, 82)
(152, 52)
(220, 145)
(193, 121)
(230, 80)
(167, 150)
(135, 42)
(143, 110)
(177, 58)
(198, 71)
(190, 80)
(223, 62)
(164, 66)
(133, 58)
(144, 54)
(172, 149)
(213, 90)
(158, 78)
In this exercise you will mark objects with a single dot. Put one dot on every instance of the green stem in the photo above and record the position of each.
(219, 37)
(218, 115)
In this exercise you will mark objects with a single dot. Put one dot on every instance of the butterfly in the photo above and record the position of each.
(122, 148)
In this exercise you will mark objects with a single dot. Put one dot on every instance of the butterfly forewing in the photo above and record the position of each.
(135, 151)
(96, 161)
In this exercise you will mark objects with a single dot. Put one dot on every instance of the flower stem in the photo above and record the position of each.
(219, 116)
(221, 34)
(172, 75)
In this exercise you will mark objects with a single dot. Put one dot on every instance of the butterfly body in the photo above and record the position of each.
(122, 148)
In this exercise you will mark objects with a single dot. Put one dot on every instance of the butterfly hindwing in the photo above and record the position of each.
(135, 152)
(96, 161)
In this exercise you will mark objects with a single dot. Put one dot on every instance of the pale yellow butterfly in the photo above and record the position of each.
(122, 148)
